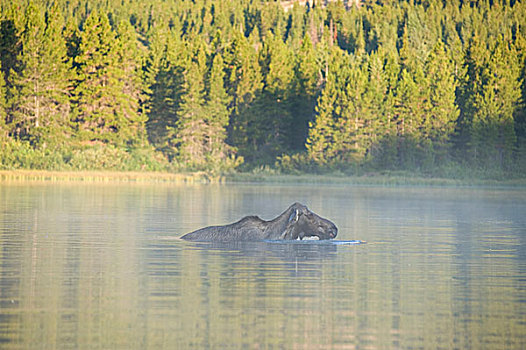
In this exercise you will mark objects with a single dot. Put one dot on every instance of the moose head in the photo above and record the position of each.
(304, 224)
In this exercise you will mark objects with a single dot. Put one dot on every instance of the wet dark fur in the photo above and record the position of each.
(295, 222)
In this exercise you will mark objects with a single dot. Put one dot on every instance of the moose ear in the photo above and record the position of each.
(294, 216)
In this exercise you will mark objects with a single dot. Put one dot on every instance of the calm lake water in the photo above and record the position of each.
(87, 266)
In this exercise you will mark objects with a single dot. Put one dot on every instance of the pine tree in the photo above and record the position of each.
(411, 99)
(188, 136)
(520, 111)
(25, 80)
(97, 88)
(279, 65)
(3, 114)
(321, 146)
(307, 69)
(270, 123)
(245, 82)
(471, 86)
(40, 105)
(494, 124)
(295, 27)
(359, 40)
(320, 138)
(11, 24)
(452, 41)
(407, 55)
(350, 123)
(489, 97)
(376, 97)
(381, 99)
(410, 110)
(106, 95)
(306, 87)
(372, 82)
(71, 35)
(217, 118)
(440, 118)
(162, 80)
(421, 31)
(129, 61)
(355, 121)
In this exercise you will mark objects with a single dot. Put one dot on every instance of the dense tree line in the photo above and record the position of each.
(218, 85)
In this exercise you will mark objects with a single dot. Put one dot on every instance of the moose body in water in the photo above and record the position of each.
(297, 222)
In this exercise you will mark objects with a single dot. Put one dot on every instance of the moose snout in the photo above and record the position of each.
(331, 230)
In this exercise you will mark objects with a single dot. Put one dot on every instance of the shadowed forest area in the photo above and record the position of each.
(431, 87)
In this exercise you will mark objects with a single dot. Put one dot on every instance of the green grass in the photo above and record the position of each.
(395, 179)
(371, 179)
(106, 176)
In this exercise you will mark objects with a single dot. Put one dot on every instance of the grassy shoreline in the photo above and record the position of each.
(374, 180)
(106, 176)
(404, 179)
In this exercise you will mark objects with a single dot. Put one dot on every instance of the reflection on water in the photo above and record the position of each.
(100, 266)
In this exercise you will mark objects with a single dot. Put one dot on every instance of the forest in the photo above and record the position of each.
(433, 87)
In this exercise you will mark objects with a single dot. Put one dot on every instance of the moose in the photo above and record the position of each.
(297, 222)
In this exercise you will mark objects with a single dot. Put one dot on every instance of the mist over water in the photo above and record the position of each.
(101, 266)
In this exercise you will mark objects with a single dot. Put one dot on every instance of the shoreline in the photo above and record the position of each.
(9, 176)
(102, 176)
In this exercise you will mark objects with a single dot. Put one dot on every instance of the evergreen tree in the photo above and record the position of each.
(3, 114)
(40, 105)
(320, 138)
(489, 96)
(358, 119)
(411, 103)
(11, 24)
(295, 26)
(470, 86)
(188, 136)
(97, 87)
(442, 113)
(421, 31)
(278, 65)
(103, 110)
(378, 97)
(162, 80)
(218, 152)
(307, 69)
(270, 124)
(71, 36)
(321, 145)
(306, 87)
(451, 39)
(131, 99)
(493, 129)
(386, 22)
(381, 82)
(351, 122)
(520, 111)
(381, 100)
(26, 90)
(245, 82)
(358, 44)
(409, 115)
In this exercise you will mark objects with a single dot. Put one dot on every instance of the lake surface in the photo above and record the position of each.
(99, 266)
